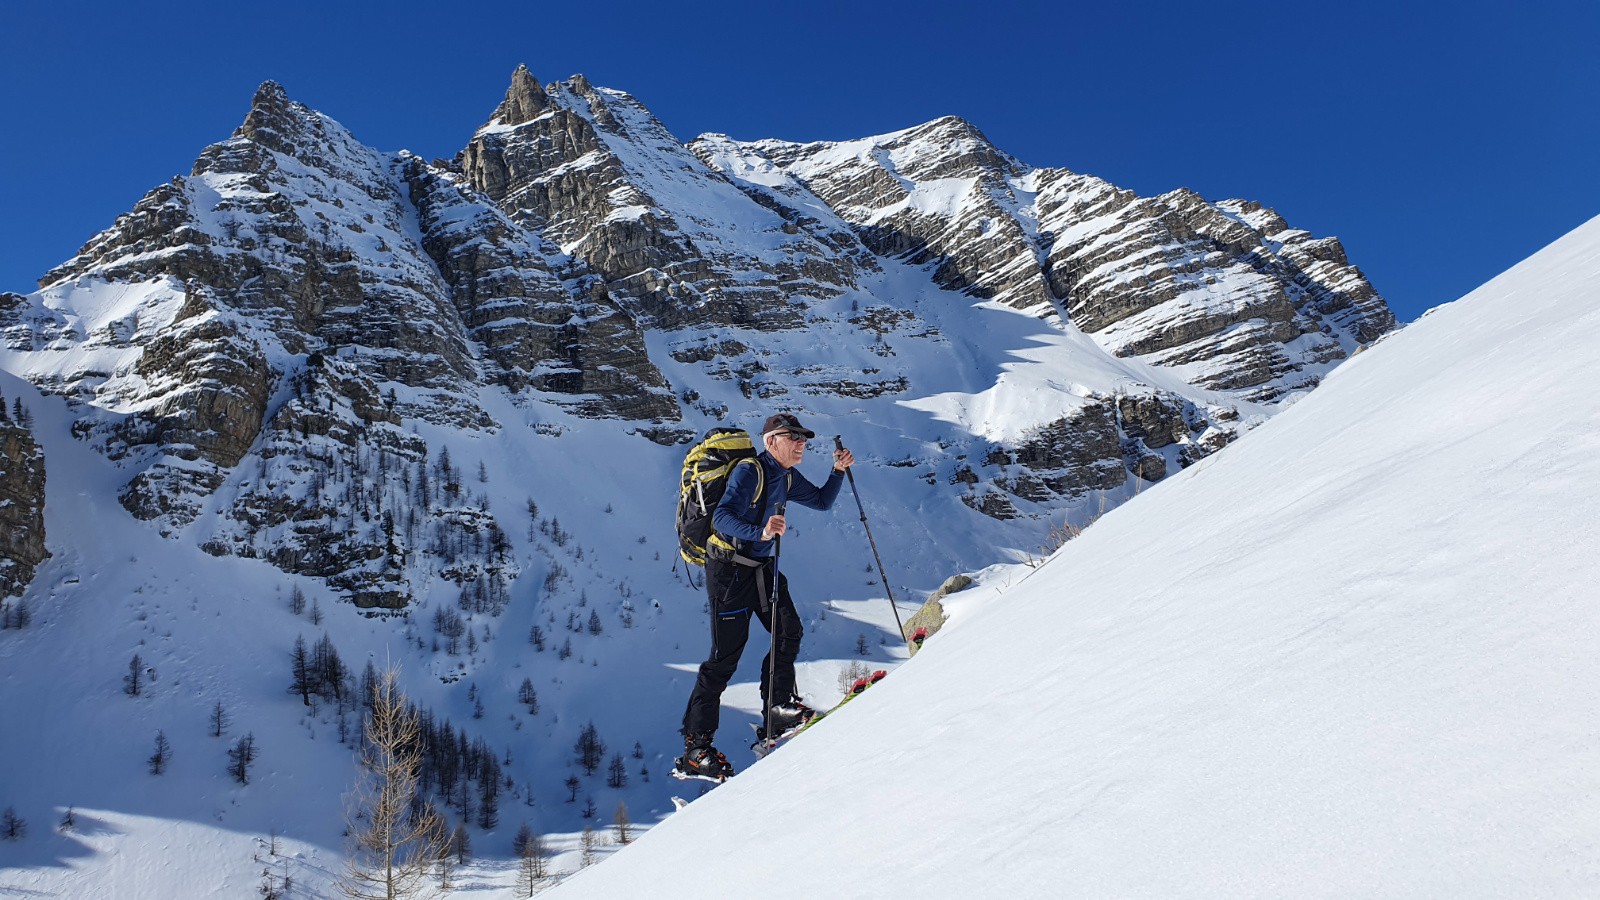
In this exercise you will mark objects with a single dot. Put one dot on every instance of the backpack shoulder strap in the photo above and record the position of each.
(761, 479)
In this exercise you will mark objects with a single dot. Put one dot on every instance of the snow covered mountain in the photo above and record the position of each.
(1351, 657)
(434, 412)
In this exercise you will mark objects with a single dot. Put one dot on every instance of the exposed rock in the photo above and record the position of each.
(931, 617)
(1155, 420)
(22, 499)
(1223, 292)
(573, 342)
(951, 585)
(578, 172)
(524, 101)
(1075, 454)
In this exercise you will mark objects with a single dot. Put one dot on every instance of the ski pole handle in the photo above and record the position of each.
(838, 444)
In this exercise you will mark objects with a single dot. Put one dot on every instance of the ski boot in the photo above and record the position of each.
(786, 719)
(701, 761)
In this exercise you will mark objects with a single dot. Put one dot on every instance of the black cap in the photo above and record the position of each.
(785, 422)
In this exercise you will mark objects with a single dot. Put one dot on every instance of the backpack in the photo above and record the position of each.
(704, 480)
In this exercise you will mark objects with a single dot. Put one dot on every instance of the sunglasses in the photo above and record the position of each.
(795, 436)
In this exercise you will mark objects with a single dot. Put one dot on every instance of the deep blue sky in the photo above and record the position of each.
(1442, 142)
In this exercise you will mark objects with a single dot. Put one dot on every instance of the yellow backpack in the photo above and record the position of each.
(704, 480)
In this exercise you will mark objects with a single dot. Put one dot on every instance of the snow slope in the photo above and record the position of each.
(1353, 656)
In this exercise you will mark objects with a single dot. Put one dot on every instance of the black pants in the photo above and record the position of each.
(736, 596)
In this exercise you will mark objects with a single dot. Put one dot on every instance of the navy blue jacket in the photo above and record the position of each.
(737, 518)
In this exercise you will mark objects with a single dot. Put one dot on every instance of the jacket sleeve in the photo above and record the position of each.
(805, 493)
(729, 518)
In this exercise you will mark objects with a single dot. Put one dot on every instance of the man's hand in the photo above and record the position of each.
(775, 527)
(843, 459)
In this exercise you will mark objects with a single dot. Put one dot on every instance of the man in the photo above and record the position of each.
(740, 569)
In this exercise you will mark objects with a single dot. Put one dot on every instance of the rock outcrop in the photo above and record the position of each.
(1225, 293)
(22, 499)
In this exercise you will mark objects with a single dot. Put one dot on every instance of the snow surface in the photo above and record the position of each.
(1352, 656)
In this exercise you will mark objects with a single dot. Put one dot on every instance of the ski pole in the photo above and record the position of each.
(772, 631)
(838, 443)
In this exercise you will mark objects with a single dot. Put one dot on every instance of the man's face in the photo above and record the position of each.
(787, 447)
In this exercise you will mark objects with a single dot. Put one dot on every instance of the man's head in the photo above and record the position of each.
(785, 438)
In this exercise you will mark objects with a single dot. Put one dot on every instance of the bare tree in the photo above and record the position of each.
(300, 671)
(588, 841)
(219, 720)
(12, 827)
(158, 759)
(590, 750)
(395, 841)
(531, 865)
(622, 823)
(240, 756)
(132, 682)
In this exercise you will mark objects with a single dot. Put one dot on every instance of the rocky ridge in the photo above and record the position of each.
(264, 337)
(1225, 294)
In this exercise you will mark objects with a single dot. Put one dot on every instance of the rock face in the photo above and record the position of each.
(559, 335)
(22, 498)
(281, 347)
(596, 173)
(1226, 294)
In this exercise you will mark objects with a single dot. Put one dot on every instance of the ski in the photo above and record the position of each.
(764, 746)
(687, 776)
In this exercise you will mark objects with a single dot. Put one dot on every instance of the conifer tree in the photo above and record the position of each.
(132, 682)
(590, 749)
(532, 867)
(240, 757)
(12, 826)
(300, 671)
(158, 759)
(588, 842)
(622, 823)
(219, 720)
(393, 848)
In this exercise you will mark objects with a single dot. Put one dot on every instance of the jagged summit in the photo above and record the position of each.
(525, 99)
(283, 125)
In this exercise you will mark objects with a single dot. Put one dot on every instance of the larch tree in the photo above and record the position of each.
(532, 868)
(393, 848)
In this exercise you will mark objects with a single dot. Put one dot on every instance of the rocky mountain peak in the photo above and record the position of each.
(282, 125)
(525, 99)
